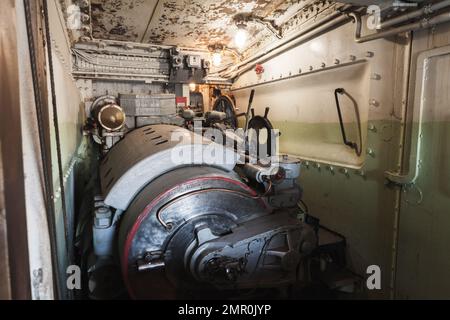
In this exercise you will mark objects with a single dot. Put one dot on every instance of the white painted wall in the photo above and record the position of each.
(317, 67)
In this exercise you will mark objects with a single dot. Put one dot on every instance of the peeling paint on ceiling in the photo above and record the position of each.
(124, 20)
(197, 24)
(185, 23)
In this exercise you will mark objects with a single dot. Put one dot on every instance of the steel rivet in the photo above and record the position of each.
(374, 103)
(375, 76)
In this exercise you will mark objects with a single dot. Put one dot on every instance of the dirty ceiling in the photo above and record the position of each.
(185, 23)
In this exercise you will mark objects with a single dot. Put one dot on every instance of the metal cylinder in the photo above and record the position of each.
(414, 14)
(216, 116)
(188, 114)
(264, 174)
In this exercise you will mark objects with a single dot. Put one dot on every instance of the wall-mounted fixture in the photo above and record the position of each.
(186, 67)
(241, 36)
(216, 51)
(242, 19)
(192, 86)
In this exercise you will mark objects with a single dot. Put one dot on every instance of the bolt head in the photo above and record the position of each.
(374, 103)
(375, 76)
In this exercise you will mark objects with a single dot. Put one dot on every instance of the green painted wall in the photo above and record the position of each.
(384, 224)
(424, 231)
(423, 253)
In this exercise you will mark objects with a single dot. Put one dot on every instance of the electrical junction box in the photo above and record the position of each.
(194, 62)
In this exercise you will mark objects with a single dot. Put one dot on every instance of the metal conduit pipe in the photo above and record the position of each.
(426, 23)
(284, 42)
(398, 192)
(337, 18)
(306, 34)
(155, 78)
(415, 14)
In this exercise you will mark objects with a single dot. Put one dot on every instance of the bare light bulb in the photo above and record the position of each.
(192, 86)
(216, 59)
(240, 39)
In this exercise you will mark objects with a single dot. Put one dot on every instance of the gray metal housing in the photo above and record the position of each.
(150, 152)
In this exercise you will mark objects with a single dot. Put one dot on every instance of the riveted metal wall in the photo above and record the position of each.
(423, 256)
(346, 191)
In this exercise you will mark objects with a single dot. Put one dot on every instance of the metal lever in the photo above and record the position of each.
(250, 102)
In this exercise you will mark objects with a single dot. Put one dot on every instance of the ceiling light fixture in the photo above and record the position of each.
(241, 36)
(217, 59)
(216, 51)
